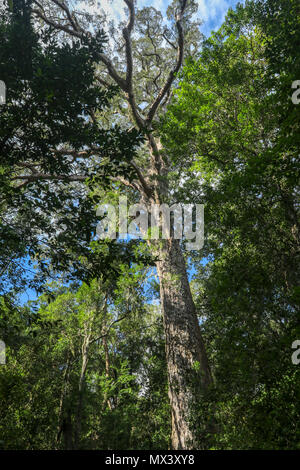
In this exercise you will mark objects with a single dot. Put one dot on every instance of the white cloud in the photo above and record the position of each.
(210, 9)
(160, 5)
(113, 8)
(213, 12)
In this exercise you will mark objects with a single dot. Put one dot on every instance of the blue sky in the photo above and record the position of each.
(212, 12)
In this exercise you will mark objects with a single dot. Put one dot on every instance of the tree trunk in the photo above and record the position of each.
(68, 431)
(188, 370)
(106, 400)
(78, 420)
(64, 415)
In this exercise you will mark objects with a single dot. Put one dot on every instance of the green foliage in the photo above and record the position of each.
(125, 379)
(234, 123)
(46, 111)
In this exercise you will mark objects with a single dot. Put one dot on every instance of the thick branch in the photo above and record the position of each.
(165, 89)
(147, 189)
(112, 71)
(58, 26)
(72, 20)
(43, 176)
(125, 182)
(129, 64)
(126, 34)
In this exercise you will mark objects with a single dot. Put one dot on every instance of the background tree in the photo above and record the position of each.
(76, 376)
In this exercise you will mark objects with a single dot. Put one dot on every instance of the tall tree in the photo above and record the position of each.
(145, 77)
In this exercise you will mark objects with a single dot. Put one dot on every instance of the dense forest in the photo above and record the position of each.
(148, 341)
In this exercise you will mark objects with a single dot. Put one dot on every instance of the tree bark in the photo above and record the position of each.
(68, 431)
(81, 387)
(64, 416)
(106, 399)
(188, 370)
